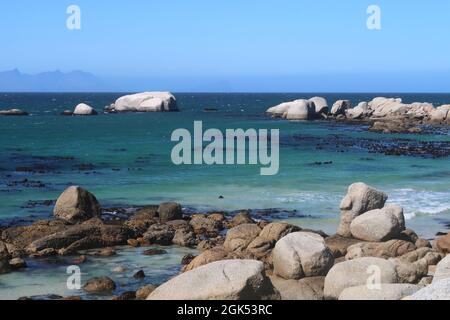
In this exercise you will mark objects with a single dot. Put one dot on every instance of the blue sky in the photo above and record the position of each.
(238, 44)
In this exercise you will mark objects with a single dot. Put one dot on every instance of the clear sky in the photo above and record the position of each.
(239, 44)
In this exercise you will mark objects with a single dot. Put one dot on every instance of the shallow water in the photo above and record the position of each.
(124, 159)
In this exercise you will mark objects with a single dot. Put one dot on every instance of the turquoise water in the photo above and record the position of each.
(124, 159)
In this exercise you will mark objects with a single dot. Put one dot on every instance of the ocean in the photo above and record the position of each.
(124, 159)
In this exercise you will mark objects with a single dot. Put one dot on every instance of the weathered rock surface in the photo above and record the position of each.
(303, 289)
(100, 285)
(377, 225)
(394, 291)
(339, 245)
(301, 254)
(145, 102)
(389, 249)
(76, 204)
(439, 290)
(222, 280)
(358, 272)
(340, 106)
(443, 243)
(360, 198)
(84, 110)
(208, 256)
(160, 234)
(13, 112)
(442, 270)
(170, 211)
(238, 238)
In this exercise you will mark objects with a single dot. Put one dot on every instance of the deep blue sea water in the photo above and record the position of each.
(124, 159)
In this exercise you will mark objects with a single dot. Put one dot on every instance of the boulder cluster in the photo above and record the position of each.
(372, 256)
(384, 114)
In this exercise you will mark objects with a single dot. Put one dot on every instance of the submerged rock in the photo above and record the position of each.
(222, 280)
(378, 225)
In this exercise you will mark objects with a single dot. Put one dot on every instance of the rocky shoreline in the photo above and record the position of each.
(387, 115)
(243, 256)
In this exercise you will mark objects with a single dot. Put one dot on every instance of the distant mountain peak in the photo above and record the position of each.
(49, 81)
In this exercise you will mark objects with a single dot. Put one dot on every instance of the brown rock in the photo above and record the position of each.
(238, 238)
(99, 285)
(128, 295)
(154, 252)
(184, 238)
(443, 243)
(169, 211)
(204, 225)
(277, 230)
(144, 292)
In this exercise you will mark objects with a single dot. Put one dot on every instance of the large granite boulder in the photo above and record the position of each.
(358, 272)
(301, 254)
(377, 225)
(84, 110)
(145, 102)
(76, 204)
(222, 280)
(389, 249)
(360, 198)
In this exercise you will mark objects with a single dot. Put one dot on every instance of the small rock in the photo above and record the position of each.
(17, 263)
(128, 295)
(144, 292)
(133, 243)
(100, 285)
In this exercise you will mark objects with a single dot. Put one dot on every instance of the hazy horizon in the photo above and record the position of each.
(229, 46)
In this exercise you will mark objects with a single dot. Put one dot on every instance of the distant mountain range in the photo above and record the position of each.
(54, 81)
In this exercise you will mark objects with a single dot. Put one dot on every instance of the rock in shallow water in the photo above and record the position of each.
(357, 272)
(377, 225)
(145, 102)
(222, 280)
(84, 110)
(76, 204)
(99, 285)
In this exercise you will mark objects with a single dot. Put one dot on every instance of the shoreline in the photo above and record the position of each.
(206, 234)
